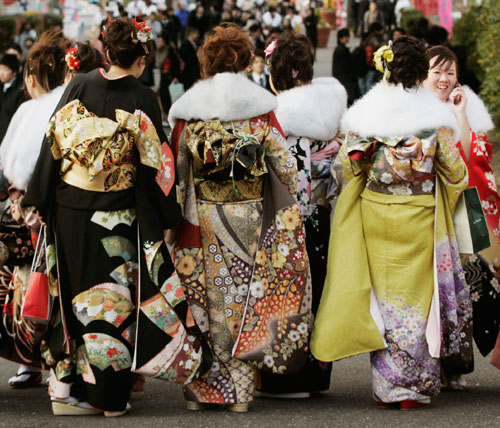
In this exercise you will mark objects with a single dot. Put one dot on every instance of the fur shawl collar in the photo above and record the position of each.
(389, 111)
(225, 96)
(23, 140)
(314, 110)
(477, 113)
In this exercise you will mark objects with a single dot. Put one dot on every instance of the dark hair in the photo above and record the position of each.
(437, 35)
(14, 46)
(90, 58)
(46, 60)
(226, 49)
(10, 61)
(121, 48)
(343, 32)
(259, 52)
(255, 27)
(293, 52)
(375, 27)
(191, 30)
(399, 30)
(443, 55)
(411, 62)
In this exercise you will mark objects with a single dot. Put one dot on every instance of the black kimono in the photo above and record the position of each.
(103, 184)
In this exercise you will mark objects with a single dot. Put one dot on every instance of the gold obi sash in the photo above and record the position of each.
(98, 153)
(227, 166)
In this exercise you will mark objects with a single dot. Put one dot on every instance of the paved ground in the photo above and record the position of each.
(347, 404)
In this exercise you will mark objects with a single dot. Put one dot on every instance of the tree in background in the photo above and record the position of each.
(479, 32)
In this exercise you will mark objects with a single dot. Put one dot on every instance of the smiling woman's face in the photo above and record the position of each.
(442, 78)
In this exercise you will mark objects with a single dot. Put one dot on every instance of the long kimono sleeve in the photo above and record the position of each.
(156, 178)
(279, 157)
(450, 167)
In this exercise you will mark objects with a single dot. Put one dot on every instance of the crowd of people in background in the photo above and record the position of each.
(234, 270)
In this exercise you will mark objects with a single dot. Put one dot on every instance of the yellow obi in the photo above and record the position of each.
(98, 153)
(227, 165)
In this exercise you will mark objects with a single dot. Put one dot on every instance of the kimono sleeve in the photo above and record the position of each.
(450, 166)
(279, 157)
(156, 168)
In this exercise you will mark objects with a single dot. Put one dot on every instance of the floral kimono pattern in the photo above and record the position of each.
(120, 306)
(315, 192)
(410, 311)
(241, 254)
(483, 270)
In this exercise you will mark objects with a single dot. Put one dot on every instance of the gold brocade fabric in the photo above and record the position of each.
(215, 152)
(98, 153)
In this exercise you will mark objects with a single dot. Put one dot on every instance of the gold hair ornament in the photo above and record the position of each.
(383, 56)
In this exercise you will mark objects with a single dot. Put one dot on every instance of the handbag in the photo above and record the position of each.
(175, 90)
(16, 245)
(37, 303)
(470, 223)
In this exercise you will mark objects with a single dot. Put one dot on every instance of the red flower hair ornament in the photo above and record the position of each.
(72, 60)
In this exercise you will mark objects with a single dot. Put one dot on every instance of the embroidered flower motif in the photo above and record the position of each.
(495, 284)
(260, 257)
(302, 328)
(243, 290)
(386, 178)
(186, 265)
(491, 180)
(294, 335)
(110, 316)
(112, 352)
(257, 290)
(268, 361)
(400, 189)
(291, 219)
(427, 186)
(283, 249)
(426, 165)
(278, 260)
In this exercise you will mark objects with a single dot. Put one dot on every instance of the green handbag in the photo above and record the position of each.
(470, 223)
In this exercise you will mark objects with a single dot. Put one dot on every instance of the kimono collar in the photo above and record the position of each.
(477, 113)
(225, 96)
(314, 110)
(390, 110)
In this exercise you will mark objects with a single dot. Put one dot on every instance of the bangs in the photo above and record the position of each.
(441, 56)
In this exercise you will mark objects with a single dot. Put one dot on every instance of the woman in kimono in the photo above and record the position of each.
(241, 251)
(394, 284)
(43, 79)
(102, 186)
(309, 112)
(482, 271)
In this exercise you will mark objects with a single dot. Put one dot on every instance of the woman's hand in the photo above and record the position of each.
(459, 103)
(16, 212)
(459, 100)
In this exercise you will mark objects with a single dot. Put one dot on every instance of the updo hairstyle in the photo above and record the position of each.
(90, 58)
(226, 49)
(46, 60)
(291, 62)
(411, 62)
(122, 51)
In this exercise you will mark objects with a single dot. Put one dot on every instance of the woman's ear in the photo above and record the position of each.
(31, 81)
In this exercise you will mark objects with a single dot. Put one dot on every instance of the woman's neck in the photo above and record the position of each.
(116, 72)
